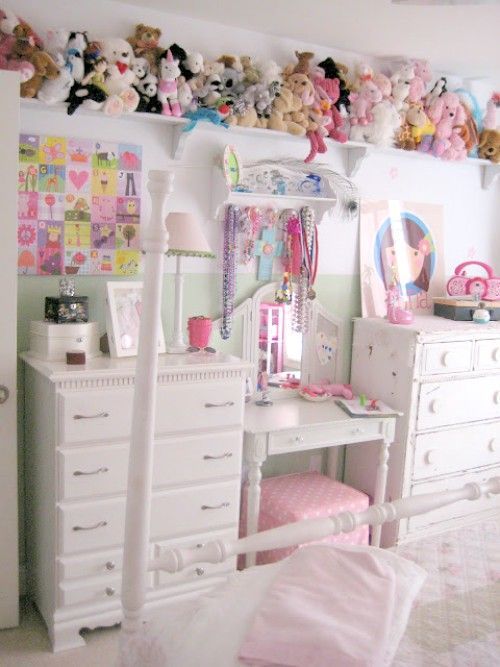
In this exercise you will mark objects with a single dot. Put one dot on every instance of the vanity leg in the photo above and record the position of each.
(380, 485)
(255, 455)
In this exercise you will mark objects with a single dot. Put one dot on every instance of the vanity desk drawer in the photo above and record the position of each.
(454, 450)
(487, 354)
(450, 357)
(323, 436)
(458, 401)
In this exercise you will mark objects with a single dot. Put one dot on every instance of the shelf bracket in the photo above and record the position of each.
(179, 139)
(355, 158)
(490, 172)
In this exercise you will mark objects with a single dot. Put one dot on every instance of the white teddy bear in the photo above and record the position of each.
(119, 56)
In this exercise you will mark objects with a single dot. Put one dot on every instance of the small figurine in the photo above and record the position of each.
(262, 386)
(66, 287)
(96, 76)
(284, 292)
(395, 313)
(482, 314)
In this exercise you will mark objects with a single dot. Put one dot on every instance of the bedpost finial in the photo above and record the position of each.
(160, 181)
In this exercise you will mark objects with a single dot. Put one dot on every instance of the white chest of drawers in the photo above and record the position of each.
(445, 377)
(77, 428)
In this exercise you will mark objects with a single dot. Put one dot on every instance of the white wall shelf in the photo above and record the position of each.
(354, 152)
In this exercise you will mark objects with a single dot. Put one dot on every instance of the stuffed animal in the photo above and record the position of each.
(25, 49)
(327, 94)
(401, 80)
(448, 115)
(230, 61)
(415, 126)
(141, 68)
(211, 92)
(56, 90)
(88, 95)
(75, 63)
(438, 89)
(56, 44)
(97, 74)
(304, 64)
(185, 95)
(286, 107)
(383, 83)
(381, 130)
(119, 76)
(363, 101)
(232, 84)
(78, 41)
(145, 43)
(304, 94)
(167, 86)
(418, 84)
(251, 74)
(147, 87)
(489, 139)
(338, 71)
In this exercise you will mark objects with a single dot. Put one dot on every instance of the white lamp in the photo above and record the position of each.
(185, 239)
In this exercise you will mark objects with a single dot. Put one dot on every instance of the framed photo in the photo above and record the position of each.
(123, 316)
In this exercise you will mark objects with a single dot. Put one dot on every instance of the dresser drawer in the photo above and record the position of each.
(452, 357)
(322, 436)
(462, 508)
(95, 415)
(98, 525)
(458, 401)
(195, 407)
(86, 472)
(90, 591)
(104, 562)
(92, 471)
(200, 571)
(451, 451)
(487, 354)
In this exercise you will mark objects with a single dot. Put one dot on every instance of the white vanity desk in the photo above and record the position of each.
(294, 424)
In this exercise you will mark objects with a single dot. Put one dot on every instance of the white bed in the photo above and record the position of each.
(454, 620)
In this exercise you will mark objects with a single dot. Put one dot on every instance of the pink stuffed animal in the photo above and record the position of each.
(448, 114)
(167, 86)
(418, 85)
(363, 101)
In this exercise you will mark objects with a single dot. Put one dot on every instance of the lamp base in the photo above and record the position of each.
(176, 348)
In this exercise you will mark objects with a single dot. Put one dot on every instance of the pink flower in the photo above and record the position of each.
(424, 246)
(26, 235)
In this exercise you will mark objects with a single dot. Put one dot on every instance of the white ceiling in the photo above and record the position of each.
(461, 39)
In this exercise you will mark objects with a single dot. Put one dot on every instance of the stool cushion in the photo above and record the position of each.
(288, 498)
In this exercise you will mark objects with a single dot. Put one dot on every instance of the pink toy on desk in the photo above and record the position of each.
(395, 313)
(199, 331)
(315, 390)
(483, 287)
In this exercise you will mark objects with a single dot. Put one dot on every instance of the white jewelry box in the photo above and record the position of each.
(50, 341)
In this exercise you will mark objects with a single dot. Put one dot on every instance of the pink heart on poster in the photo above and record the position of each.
(78, 178)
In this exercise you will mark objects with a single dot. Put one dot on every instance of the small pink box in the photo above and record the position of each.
(307, 495)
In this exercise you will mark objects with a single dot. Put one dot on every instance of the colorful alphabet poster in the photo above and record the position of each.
(79, 207)
(401, 243)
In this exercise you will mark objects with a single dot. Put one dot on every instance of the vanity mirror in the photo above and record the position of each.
(265, 336)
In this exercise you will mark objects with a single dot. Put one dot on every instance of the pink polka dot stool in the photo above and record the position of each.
(307, 495)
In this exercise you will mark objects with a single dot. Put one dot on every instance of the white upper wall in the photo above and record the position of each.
(472, 225)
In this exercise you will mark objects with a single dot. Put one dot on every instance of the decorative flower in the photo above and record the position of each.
(424, 245)
(26, 235)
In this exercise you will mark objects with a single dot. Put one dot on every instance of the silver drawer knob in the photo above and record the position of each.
(493, 445)
(496, 354)
(496, 397)
(430, 456)
(357, 431)
(110, 591)
(299, 439)
(446, 358)
(110, 565)
(199, 571)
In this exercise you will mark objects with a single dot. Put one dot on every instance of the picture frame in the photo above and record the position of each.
(123, 311)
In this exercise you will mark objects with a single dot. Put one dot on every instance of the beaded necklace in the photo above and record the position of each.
(229, 270)
(308, 268)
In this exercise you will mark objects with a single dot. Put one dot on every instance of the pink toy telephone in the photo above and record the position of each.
(487, 288)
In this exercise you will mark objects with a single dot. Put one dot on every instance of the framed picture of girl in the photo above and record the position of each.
(401, 245)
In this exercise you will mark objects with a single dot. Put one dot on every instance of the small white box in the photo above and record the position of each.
(50, 341)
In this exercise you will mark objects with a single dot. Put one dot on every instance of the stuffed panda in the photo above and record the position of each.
(147, 88)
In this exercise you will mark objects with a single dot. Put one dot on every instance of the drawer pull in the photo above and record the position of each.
(99, 524)
(357, 431)
(78, 473)
(299, 439)
(496, 397)
(199, 571)
(99, 415)
(226, 404)
(496, 354)
(200, 545)
(110, 591)
(446, 358)
(215, 507)
(209, 457)
(493, 444)
(435, 406)
(110, 565)
(430, 457)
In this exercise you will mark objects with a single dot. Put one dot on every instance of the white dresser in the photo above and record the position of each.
(445, 377)
(77, 428)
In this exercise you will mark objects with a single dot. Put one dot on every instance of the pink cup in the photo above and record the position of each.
(199, 330)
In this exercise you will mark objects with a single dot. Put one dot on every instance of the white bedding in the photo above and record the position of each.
(454, 623)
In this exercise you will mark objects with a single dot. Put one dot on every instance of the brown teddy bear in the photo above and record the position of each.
(304, 95)
(286, 114)
(489, 145)
(25, 48)
(304, 64)
(145, 43)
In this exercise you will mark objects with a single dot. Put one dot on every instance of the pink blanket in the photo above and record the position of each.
(330, 606)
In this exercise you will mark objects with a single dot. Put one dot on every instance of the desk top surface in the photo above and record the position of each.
(289, 413)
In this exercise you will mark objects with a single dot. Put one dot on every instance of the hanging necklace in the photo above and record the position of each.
(307, 274)
(228, 270)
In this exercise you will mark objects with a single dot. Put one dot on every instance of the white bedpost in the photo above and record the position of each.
(140, 466)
